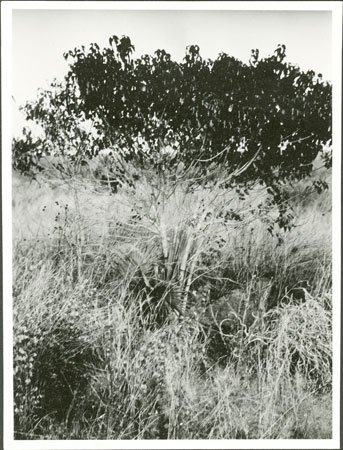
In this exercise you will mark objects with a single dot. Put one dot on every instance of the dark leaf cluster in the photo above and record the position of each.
(158, 112)
(224, 108)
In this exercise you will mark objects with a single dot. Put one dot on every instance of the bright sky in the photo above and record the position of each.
(41, 36)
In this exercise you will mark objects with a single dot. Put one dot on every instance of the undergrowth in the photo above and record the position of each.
(156, 314)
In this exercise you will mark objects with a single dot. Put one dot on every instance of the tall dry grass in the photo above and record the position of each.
(112, 341)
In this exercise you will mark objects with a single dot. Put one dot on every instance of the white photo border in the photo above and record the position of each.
(7, 7)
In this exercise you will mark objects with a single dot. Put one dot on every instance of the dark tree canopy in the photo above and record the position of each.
(197, 109)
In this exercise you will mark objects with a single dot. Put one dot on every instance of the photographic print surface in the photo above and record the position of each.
(174, 179)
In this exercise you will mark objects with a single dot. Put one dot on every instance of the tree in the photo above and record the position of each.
(217, 124)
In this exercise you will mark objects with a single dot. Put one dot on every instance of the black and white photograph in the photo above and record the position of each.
(171, 224)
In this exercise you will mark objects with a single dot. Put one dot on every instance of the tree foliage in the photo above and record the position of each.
(155, 109)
